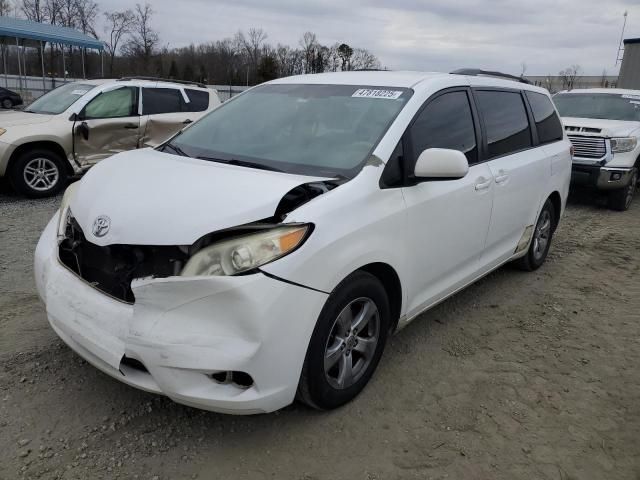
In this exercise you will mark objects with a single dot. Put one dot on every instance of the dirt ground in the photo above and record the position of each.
(521, 376)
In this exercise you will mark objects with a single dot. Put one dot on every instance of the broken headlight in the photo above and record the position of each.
(65, 212)
(242, 254)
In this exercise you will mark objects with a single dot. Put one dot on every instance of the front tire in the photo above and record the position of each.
(7, 103)
(38, 173)
(346, 344)
(621, 199)
(541, 241)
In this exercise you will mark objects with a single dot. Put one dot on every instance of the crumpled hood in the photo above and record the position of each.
(155, 198)
(15, 118)
(609, 128)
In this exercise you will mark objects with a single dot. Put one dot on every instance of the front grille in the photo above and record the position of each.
(588, 147)
(111, 269)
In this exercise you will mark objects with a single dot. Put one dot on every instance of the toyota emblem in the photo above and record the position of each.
(101, 226)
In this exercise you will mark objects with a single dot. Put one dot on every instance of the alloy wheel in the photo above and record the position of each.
(41, 174)
(542, 235)
(352, 343)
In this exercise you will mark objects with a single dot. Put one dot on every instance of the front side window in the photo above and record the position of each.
(325, 130)
(548, 124)
(505, 120)
(599, 105)
(58, 100)
(112, 104)
(446, 122)
(161, 100)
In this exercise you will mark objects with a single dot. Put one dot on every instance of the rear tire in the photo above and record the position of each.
(541, 241)
(621, 199)
(7, 103)
(38, 173)
(346, 344)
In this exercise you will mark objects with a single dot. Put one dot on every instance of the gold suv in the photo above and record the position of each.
(69, 129)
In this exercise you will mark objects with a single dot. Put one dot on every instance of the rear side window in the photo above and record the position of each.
(547, 122)
(446, 122)
(198, 100)
(161, 100)
(506, 122)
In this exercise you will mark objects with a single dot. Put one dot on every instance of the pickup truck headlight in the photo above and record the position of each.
(623, 144)
(241, 254)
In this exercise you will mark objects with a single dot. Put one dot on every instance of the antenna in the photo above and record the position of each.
(620, 53)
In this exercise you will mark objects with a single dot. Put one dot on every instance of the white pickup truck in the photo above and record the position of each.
(604, 126)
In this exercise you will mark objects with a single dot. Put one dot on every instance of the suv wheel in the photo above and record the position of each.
(38, 173)
(621, 199)
(7, 103)
(346, 344)
(541, 241)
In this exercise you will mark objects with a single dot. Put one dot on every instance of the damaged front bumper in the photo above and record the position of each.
(184, 336)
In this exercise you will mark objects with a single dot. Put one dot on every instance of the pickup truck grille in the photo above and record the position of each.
(588, 147)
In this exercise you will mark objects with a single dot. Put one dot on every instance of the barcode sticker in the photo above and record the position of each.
(79, 92)
(632, 97)
(374, 93)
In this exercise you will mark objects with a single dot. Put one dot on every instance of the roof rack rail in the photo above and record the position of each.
(475, 72)
(158, 79)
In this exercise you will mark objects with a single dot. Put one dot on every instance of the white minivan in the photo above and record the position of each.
(266, 252)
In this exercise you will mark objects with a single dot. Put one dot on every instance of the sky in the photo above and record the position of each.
(427, 35)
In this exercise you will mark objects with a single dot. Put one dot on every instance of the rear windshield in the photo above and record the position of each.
(599, 105)
(58, 100)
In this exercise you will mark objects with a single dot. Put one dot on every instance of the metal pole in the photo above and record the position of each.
(19, 64)
(44, 83)
(84, 75)
(102, 63)
(64, 67)
(5, 51)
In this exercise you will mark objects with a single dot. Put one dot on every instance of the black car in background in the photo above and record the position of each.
(9, 99)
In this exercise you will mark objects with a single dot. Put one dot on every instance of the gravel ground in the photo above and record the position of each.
(521, 376)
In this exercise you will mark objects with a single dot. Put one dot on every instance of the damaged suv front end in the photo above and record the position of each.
(153, 269)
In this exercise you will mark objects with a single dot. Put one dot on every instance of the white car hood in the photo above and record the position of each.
(16, 118)
(609, 128)
(154, 198)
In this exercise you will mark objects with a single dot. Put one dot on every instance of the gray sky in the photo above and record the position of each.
(432, 35)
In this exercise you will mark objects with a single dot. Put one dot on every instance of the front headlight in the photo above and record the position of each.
(65, 212)
(241, 254)
(623, 144)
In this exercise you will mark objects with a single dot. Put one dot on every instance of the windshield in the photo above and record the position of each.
(599, 105)
(326, 130)
(58, 100)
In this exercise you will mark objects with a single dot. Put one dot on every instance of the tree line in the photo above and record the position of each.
(133, 47)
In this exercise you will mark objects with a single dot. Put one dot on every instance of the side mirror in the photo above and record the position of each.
(441, 163)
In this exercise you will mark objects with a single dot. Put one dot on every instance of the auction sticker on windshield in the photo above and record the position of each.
(373, 93)
(632, 97)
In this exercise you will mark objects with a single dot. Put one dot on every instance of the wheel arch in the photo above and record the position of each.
(390, 280)
(40, 144)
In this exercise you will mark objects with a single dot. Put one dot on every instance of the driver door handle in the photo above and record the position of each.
(187, 121)
(482, 184)
(131, 126)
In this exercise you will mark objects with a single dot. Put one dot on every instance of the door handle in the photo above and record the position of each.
(502, 176)
(187, 121)
(131, 126)
(482, 184)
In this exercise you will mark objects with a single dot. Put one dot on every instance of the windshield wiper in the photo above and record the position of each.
(176, 149)
(243, 163)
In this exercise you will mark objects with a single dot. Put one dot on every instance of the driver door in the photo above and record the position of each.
(107, 125)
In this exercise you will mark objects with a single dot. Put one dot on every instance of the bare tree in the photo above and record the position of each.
(309, 42)
(118, 24)
(523, 69)
(604, 83)
(33, 10)
(87, 13)
(364, 60)
(5, 8)
(569, 75)
(144, 39)
(345, 52)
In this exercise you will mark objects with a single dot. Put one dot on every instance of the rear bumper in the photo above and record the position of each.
(603, 178)
(183, 330)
